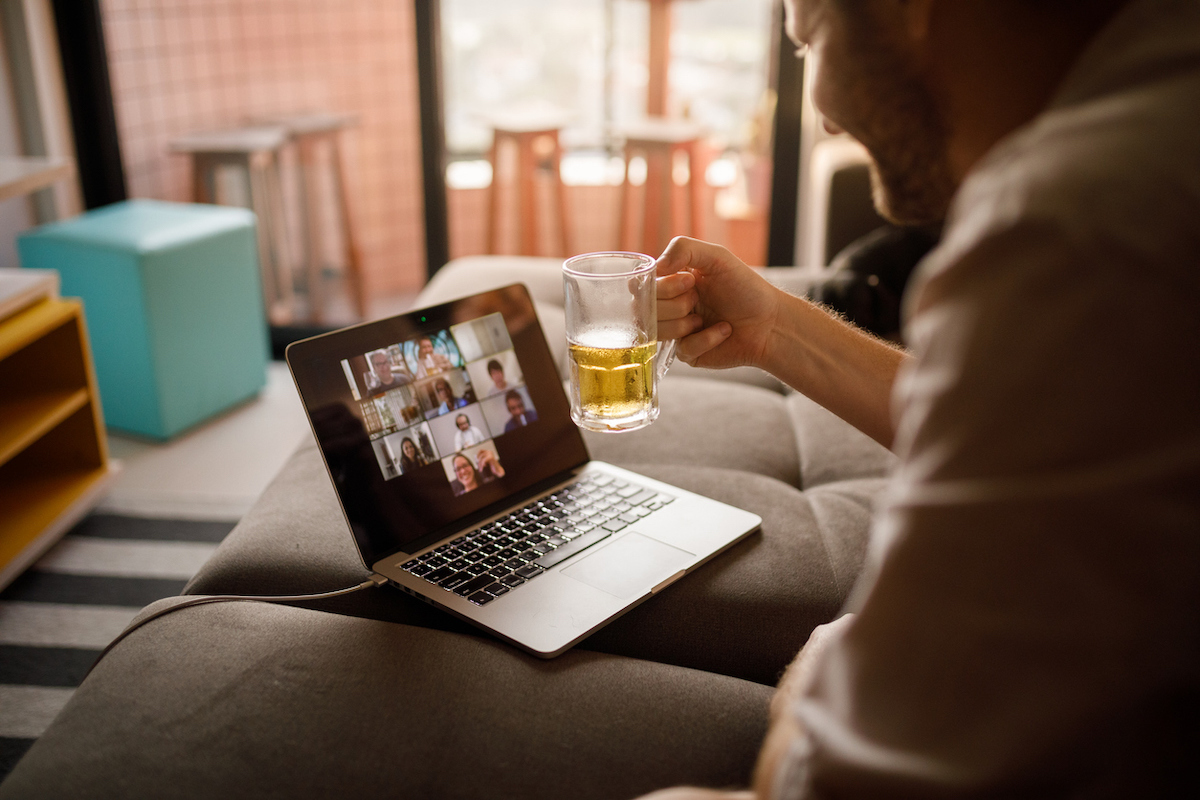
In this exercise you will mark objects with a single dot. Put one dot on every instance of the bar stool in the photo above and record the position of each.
(254, 152)
(312, 135)
(535, 138)
(660, 142)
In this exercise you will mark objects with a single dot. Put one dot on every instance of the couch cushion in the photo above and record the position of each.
(710, 423)
(250, 700)
(744, 614)
(831, 449)
(750, 610)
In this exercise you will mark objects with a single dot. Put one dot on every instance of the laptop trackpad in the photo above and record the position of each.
(630, 566)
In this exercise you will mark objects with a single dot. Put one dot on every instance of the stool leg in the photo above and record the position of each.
(349, 233)
(658, 201)
(526, 168)
(493, 207)
(276, 281)
(279, 228)
(625, 232)
(203, 174)
(266, 254)
(311, 219)
(696, 184)
(564, 211)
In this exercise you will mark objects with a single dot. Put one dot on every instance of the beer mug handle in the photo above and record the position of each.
(664, 357)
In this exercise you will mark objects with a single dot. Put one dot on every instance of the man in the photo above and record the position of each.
(467, 434)
(520, 416)
(430, 362)
(1027, 621)
(496, 373)
(384, 375)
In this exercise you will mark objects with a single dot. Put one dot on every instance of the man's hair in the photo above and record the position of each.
(495, 366)
(513, 394)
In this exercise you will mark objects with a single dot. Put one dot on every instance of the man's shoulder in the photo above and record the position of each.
(1114, 155)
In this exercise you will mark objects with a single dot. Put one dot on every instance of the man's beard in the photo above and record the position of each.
(907, 140)
(912, 185)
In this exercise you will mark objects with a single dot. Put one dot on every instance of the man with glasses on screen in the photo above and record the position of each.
(1027, 621)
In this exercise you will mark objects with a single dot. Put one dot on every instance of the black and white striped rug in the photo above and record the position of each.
(57, 617)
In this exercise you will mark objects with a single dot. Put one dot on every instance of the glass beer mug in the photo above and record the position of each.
(615, 357)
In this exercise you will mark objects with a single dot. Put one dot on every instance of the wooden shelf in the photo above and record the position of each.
(39, 508)
(25, 420)
(54, 463)
(26, 327)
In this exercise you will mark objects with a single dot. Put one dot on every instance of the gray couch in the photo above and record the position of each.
(375, 692)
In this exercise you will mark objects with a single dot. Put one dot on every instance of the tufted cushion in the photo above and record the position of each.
(710, 423)
(248, 700)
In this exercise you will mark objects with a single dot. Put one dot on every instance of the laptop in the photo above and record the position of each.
(448, 437)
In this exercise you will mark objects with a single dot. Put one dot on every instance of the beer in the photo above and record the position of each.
(615, 385)
(612, 324)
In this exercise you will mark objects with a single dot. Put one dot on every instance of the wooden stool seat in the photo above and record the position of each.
(535, 137)
(255, 152)
(660, 142)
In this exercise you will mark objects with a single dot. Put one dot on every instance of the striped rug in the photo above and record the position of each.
(57, 617)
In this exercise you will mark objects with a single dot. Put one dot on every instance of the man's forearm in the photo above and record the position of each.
(841, 367)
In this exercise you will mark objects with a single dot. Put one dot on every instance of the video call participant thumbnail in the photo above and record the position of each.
(519, 414)
(410, 456)
(467, 434)
(384, 375)
(445, 400)
(429, 361)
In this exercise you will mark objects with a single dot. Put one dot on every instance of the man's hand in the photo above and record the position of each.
(721, 312)
(724, 314)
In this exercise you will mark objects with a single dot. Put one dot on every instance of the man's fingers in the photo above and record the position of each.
(685, 254)
(674, 285)
(679, 328)
(693, 347)
(678, 307)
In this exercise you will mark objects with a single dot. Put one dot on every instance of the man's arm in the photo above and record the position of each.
(724, 314)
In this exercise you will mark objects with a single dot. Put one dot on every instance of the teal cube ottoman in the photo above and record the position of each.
(174, 307)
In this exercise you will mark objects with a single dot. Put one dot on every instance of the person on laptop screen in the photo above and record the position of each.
(445, 397)
(466, 477)
(410, 456)
(430, 362)
(467, 434)
(384, 375)
(496, 373)
(520, 416)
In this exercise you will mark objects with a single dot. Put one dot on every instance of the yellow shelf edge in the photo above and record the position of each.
(27, 326)
(22, 423)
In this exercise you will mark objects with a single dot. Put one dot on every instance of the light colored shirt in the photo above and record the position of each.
(1028, 621)
(464, 439)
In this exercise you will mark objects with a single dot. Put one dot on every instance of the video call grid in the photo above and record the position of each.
(443, 398)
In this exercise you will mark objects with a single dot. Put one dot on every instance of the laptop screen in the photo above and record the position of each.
(430, 418)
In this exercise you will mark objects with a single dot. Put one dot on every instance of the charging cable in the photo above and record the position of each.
(375, 580)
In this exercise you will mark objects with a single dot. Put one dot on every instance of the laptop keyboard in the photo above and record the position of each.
(506, 553)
